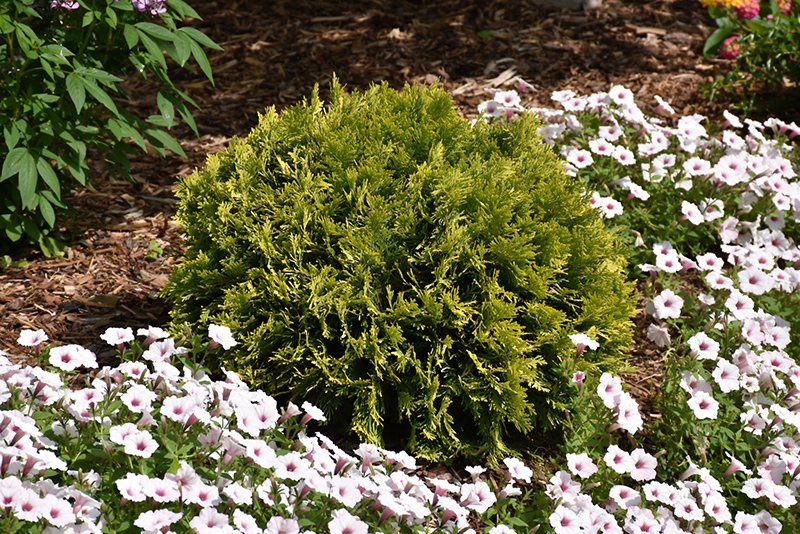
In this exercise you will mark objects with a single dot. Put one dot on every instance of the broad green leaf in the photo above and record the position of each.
(11, 136)
(131, 36)
(15, 160)
(48, 175)
(122, 129)
(14, 230)
(45, 97)
(47, 211)
(200, 37)
(76, 91)
(28, 179)
(183, 9)
(88, 17)
(715, 39)
(170, 49)
(202, 60)
(52, 246)
(163, 138)
(97, 74)
(100, 95)
(186, 114)
(155, 30)
(166, 108)
(183, 48)
(111, 15)
(46, 66)
(5, 24)
(153, 50)
(46, 193)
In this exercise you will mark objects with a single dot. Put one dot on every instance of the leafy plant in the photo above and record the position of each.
(61, 99)
(762, 41)
(415, 276)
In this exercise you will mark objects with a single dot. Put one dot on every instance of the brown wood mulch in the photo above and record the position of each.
(123, 242)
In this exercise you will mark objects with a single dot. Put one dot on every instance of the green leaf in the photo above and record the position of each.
(47, 211)
(185, 113)
(112, 17)
(45, 97)
(14, 162)
(153, 50)
(88, 17)
(28, 179)
(200, 37)
(183, 9)
(183, 48)
(155, 30)
(202, 60)
(14, 230)
(715, 39)
(131, 36)
(46, 66)
(164, 139)
(11, 134)
(97, 74)
(166, 108)
(76, 91)
(48, 176)
(122, 130)
(52, 246)
(100, 95)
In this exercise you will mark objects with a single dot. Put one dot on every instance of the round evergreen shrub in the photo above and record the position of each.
(412, 274)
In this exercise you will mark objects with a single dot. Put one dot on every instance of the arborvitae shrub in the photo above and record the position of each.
(413, 275)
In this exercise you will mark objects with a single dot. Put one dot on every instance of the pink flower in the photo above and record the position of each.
(140, 444)
(609, 389)
(70, 357)
(624, 496)
(344, 522)
(282, 525)
(517, 469)
(57, 511)
(667, 305)
(581, 465)
(221, 335)
(748, 9)
(156, 520)
(31, 338)
(703, 347)
(658, 335)
(691, 213)
(628, 416)
(209, 520)
(726, 375)
(618, 459)
(644, 465)
(703, 405)
(117, 336)
(729, 48)
(565, 521)
(245, 522)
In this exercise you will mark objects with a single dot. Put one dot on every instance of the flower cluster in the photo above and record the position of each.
(149, 444)
(715, 215)
(762, 37)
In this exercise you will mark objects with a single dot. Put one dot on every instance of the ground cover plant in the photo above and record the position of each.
(214, 456)
(412, 274)
(762, 40)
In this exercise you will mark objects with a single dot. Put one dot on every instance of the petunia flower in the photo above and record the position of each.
(32, 338)
(220, 335)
